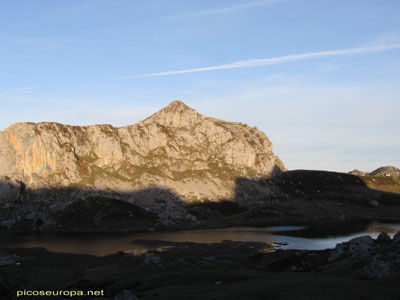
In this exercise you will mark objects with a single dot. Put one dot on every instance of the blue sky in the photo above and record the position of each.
(321, 78)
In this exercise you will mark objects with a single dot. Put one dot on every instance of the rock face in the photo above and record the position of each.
(54, 175)
(176, 148)
(379, 257)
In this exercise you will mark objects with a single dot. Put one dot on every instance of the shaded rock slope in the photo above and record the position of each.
(306, 197)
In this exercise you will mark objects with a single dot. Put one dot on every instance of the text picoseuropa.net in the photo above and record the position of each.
(65, 293)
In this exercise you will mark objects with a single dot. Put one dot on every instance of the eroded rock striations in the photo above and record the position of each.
(175, 154)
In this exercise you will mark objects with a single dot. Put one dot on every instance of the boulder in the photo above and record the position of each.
(126, 295)
(383, 238)
(152, 259)
(396, 238)
(7, 259)
(358, 247)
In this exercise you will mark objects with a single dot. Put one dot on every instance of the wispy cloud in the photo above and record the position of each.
(388, 37)
(222, 10)
(276, 60)
(19, 91)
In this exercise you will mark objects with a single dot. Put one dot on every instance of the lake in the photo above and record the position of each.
(295, 237)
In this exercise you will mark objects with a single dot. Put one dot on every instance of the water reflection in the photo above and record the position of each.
(317, 239)
(297, 237)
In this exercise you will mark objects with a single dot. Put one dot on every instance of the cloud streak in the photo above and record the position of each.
(223, 10)
(17, 91)
(275, 60)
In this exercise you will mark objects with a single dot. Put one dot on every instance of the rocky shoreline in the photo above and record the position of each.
(362, 267)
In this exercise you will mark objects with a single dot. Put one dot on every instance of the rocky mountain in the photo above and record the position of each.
(176, 169)
(176, 148)
(175, 156)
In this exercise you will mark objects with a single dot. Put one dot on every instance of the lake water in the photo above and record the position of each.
(296, 237)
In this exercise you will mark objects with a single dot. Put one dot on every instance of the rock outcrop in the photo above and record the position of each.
(387, 171)
(379, 257)
(362, 258)
(7, 259)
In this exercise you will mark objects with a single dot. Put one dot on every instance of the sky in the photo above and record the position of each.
(321, 78)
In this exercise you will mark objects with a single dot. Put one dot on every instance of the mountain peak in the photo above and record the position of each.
(175, 114)
(177, 106)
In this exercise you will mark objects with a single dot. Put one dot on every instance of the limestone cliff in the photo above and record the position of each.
(177, 149)
(169, 171)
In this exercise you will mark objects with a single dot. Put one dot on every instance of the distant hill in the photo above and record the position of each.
(382, 171)
(386, 171)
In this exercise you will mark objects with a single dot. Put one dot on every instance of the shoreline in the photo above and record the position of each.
(243, 270)
(330, 224)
